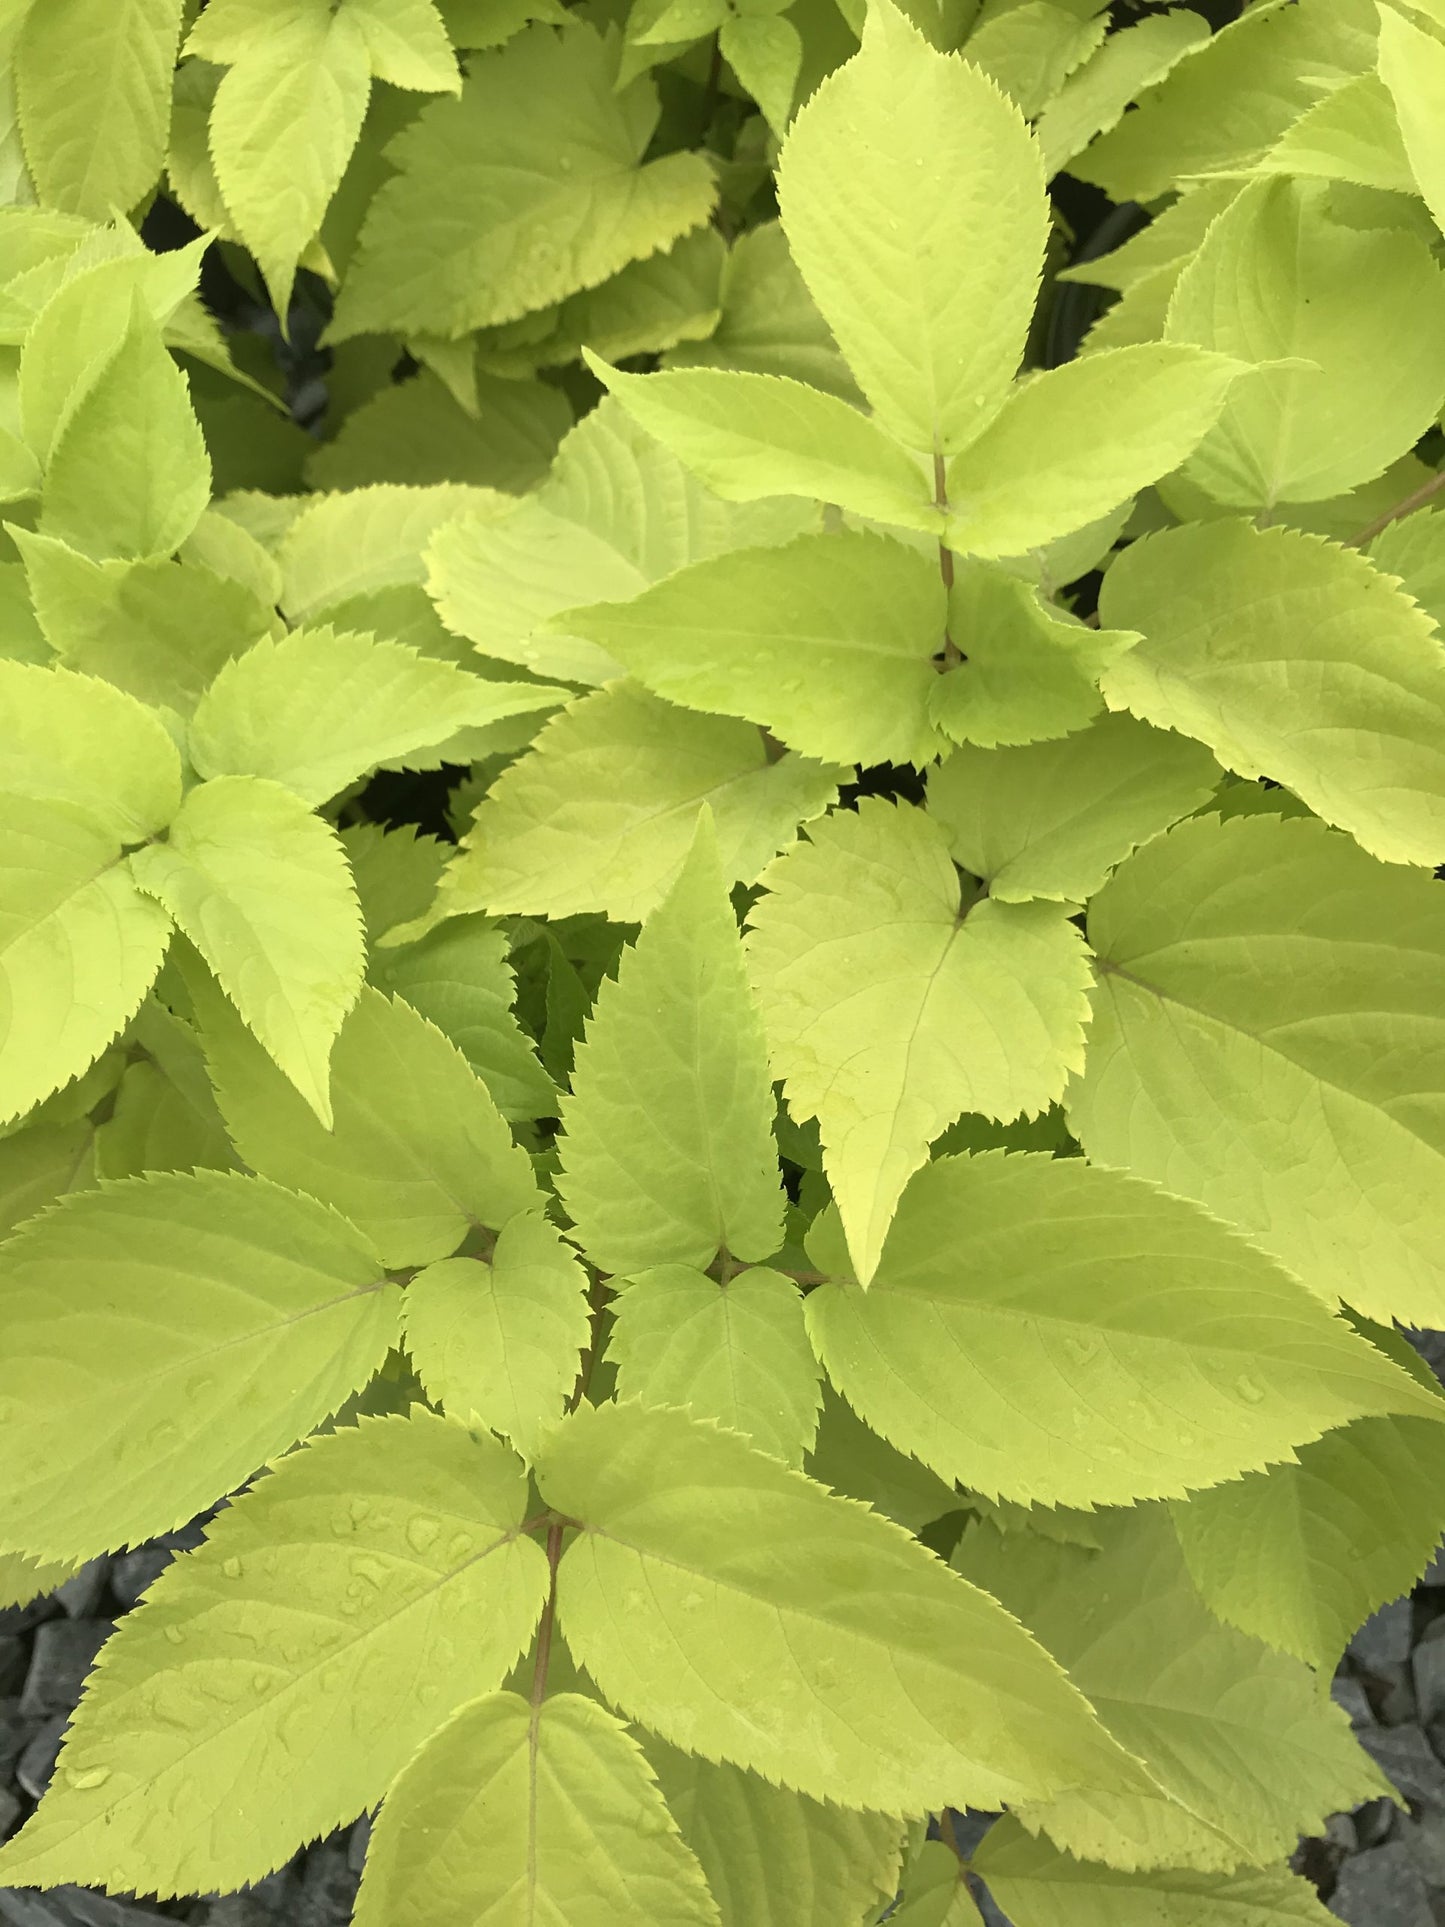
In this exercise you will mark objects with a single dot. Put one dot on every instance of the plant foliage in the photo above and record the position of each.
(810, 1233)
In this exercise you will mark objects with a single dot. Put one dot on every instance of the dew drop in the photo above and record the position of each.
(231, 1567)
(1249, 1388)
(200, 1386)
(174, 1635)
(461, 1546)
(691, 1602)
(1079, 1348)
(366, 1566)
(421, 1532)
(86, 1777)
(360, 1511)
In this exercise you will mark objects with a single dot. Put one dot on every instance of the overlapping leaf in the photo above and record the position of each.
(1057, 1334)
(891, 1007)
(782, 1629)
(163, 1337)
(668, 1154)
(279, 1679)
(1268, 1039)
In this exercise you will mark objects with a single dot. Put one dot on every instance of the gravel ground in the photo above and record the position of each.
(1381, 1866)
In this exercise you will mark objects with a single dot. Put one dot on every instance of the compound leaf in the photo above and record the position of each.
(542, 1812)
(1176, 1354)
(601, 812)
(501, 1340)
(280, 1677)
(262, 889)
(1293, 658)
(784, 1629)
(528, 188)
(828, 642)
(321, 707)
(1030, 671)
(79, 947)
(163, 1336)
(75, 740)
(890, 1009)
(1052, 819)
(1247, 1752)
(927, 269)
(737, 1352)
(668, 1154)
(1074, 442)
(1275, 277)
(417, 1154)
(749, 436)
(1044, 1888)
(1266, 1039)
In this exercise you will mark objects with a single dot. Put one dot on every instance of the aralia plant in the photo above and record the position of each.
(838, 1252)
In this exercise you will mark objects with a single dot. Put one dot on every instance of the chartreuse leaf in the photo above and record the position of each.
(601, 812)
(457, 976)
(1277, 277)
(1074, 442)
(1292, 1083)
(93, 88)
(1041, 1887)
(72, 739)
(1228, 101)
(406, 41)
(1293, 658)
(38, 1165)
(542, 1812)
(320, 707)
(765, 51)
(749, 436)
(1052, 819)
(1097, 95)
(22, 1579)
(164, 1336)
(164, 1115)
(1300, 1555)
(829, 642)
(926, 270)
(345, 545)
(773, 1855)
(502, 1341)
(527, 189)
(1413, 550)
(284, 120)
(891, 1008)
(736, 1351)
(1247, 1752)
(416, 1153)
(780, 1628)
(280, 1677)
(668, 1154)
(129, 475)
(1030, 671)
(617, 512)
(855, 1462)
(1031, 46)
(1412, 66)
(157, 628)
(1176, 1354)
(261, 888)
(1350, 134)
(769, 323)
(79, 946)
